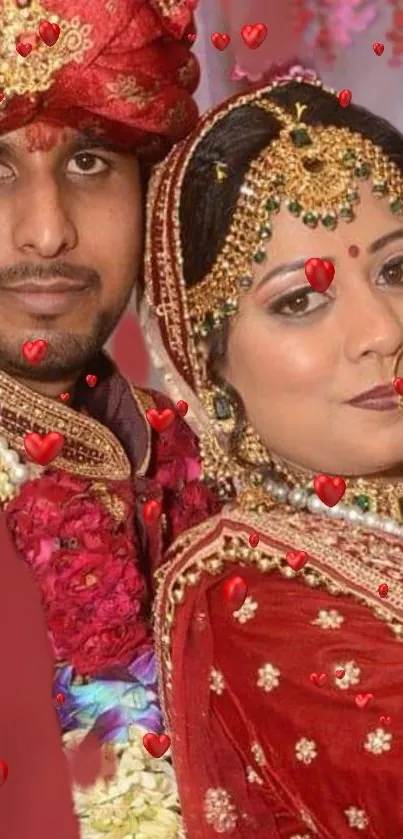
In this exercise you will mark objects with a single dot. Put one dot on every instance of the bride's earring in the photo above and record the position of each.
(230, 466)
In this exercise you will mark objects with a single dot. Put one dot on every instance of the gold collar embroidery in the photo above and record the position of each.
(90, 450)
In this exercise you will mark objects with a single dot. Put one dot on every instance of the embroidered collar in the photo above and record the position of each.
(91, 450)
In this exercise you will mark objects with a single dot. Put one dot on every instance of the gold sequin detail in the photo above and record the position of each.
(247, 610)
(219, 810)
(306, 750)
(35, 73)
(217, 682)
(377, 742)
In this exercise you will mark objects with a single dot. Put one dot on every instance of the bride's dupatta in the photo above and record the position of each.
(285, 715)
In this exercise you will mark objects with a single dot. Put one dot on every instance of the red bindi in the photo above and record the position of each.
(353, 250)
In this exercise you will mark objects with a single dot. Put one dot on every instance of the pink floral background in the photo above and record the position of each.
(334, 35)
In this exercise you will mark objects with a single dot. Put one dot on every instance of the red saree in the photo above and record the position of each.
(262, 747)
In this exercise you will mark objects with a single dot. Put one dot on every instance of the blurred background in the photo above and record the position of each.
(334, 37)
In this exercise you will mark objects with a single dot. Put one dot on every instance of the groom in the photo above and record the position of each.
(92, 93)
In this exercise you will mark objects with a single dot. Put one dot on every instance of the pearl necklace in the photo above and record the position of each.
(13, 472)
(301, 499)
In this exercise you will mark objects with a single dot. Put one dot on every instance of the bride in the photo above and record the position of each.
(279, 620)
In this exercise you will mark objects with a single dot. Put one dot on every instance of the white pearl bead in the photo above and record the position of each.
(280, 492)
(269, 485)
(338, 511)
(315, 505)
(19, 474)
(371, 520)
(3, 445)
(388, 525)
(10, 457)
(354, 516)
(298, 498)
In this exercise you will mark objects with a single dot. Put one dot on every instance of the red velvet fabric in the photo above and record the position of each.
(331, 768)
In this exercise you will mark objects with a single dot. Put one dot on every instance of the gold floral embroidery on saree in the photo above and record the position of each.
(341, 560)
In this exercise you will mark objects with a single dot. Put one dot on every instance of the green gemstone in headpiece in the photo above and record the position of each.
(230, 307)
(300, 137)
(259, 257)
(310, 219)
(207, 326)
(363, 170)
(295, 208)
(329, 221)
(272, 205)
(349, 157)
(346, 213)
(380, 188)
(396, 205)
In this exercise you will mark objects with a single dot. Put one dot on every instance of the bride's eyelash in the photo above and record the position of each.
(304, 292)
(277, 305)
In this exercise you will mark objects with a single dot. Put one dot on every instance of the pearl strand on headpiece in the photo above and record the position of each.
(301, 499)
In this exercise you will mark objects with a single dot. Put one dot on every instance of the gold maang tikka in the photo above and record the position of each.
(315, 171)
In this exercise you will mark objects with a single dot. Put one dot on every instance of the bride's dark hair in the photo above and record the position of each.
(208, 204)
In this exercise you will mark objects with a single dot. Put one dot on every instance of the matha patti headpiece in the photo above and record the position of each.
(315, 171)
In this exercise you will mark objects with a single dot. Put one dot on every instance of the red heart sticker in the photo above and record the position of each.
(254, 35)
(235, 591)
(383, 590)
(34, 351)
(91, 380)
(160, 420)
(296, 559)
(329, 490)
(23, 49)
(318, 679)
(339, 673)
(345, 97)
(155, 745)
(385, 720)
(319, 273)
(378, 48)
(3, 772)
(254, 539)
(363, 699)
(60, 697)
(151, 512)
(220, 40)
(64, 396)
(398, 386)
(191, 37)
(182, 407)
(49, 32)
(43, 449)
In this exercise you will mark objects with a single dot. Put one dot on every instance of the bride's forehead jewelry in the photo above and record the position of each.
(315, 172)
(220, 170)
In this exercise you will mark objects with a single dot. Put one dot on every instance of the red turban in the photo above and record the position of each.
(122, 68)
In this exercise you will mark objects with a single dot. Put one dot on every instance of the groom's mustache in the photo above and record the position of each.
(13, 276)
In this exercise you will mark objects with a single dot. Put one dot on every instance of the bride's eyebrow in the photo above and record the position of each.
(288, 268)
